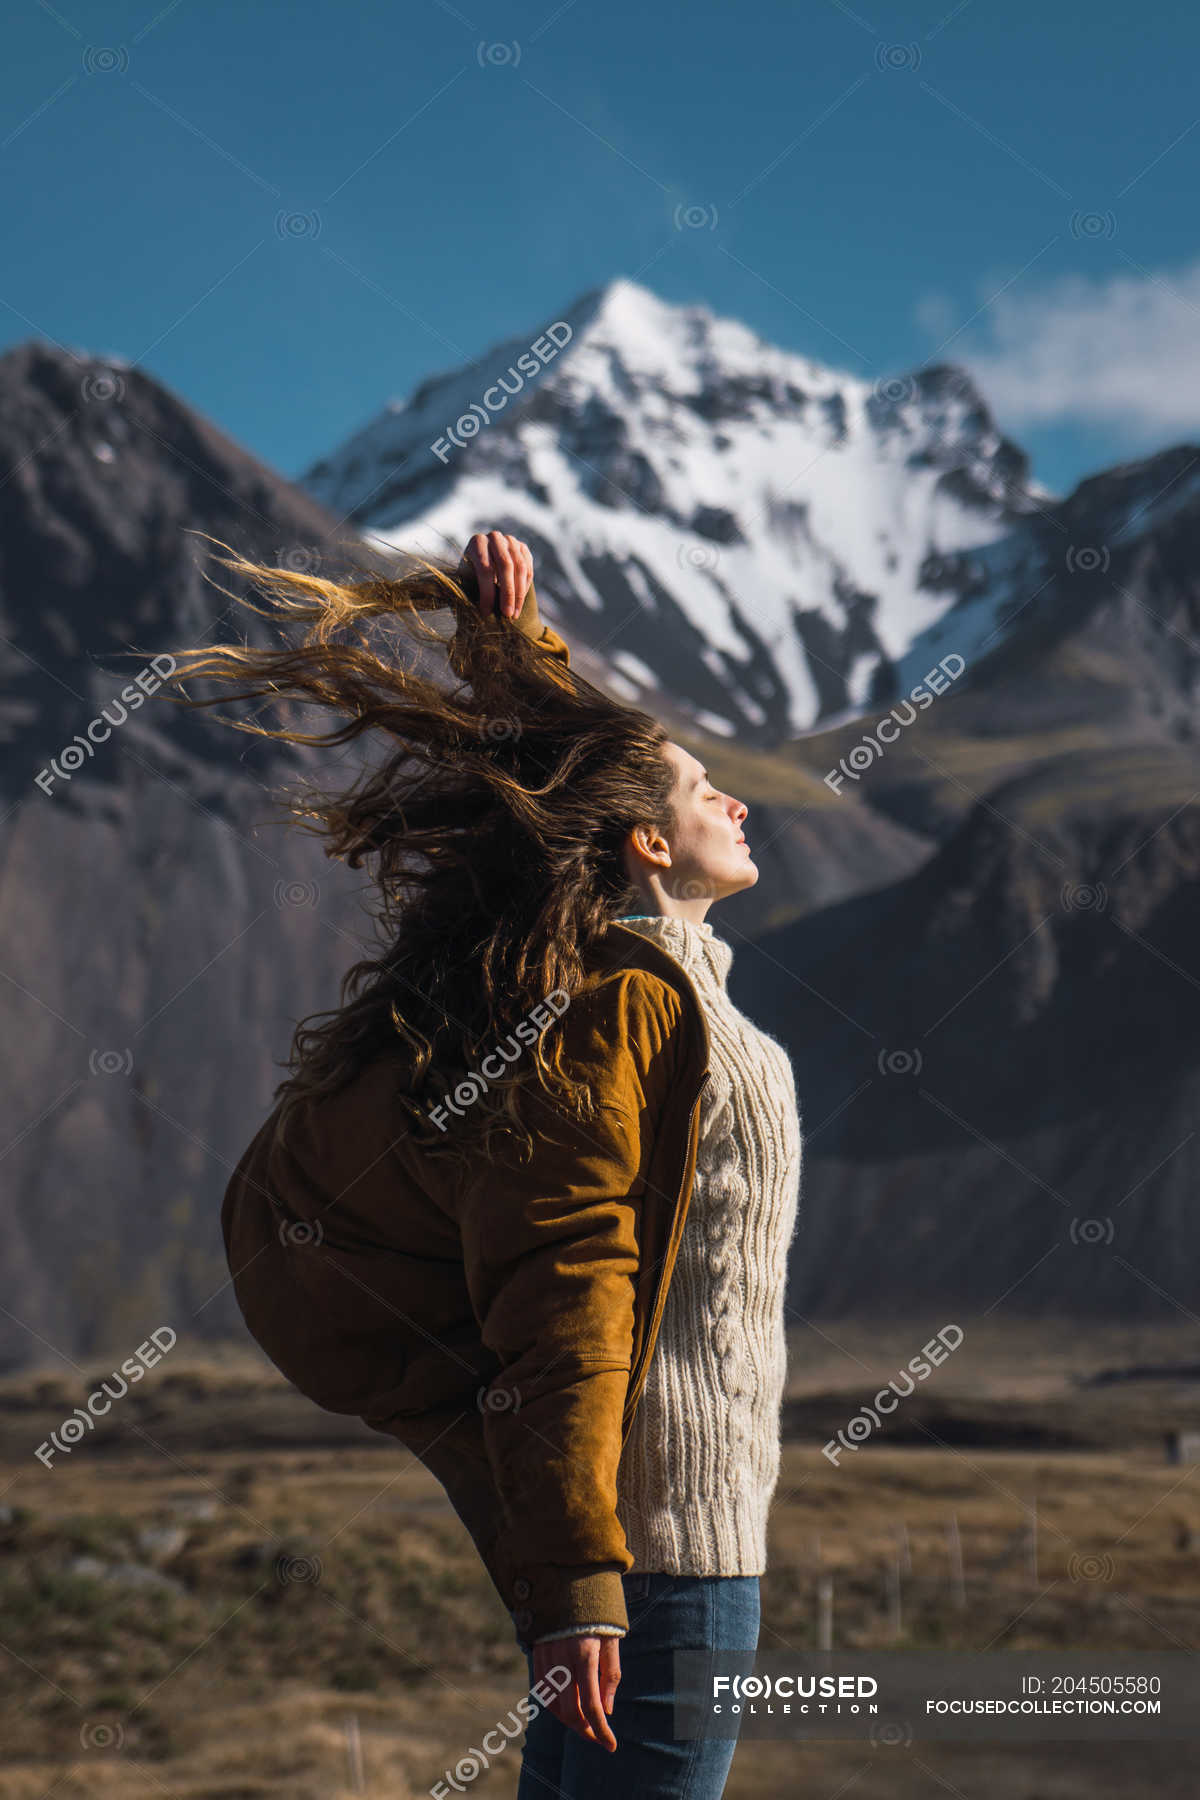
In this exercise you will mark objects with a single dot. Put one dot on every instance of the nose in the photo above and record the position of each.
(740, 813)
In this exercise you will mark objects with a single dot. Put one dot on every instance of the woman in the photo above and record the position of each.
(559, 1279)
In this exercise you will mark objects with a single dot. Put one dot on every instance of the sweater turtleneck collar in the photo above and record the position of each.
(704, 956)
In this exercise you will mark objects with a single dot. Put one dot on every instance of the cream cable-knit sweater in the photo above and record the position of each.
(701, 1463)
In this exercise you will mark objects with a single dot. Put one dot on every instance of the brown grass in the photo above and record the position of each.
(327, 1583)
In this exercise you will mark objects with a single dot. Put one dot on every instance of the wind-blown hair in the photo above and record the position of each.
(492, 827)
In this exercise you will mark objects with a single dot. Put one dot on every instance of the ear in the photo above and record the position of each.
(652, 844)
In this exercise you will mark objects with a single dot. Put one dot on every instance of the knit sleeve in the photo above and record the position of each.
(581, 1631)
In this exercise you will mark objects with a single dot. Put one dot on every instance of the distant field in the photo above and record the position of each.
(222, 1593)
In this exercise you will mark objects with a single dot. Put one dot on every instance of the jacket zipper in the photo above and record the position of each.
(654, 1317)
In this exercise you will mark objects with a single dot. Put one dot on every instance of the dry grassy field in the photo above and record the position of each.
(222, 1594)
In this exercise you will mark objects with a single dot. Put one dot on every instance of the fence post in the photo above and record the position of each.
(825, 1612)
(354, 1755)
(894, 1610)
(957, 1584)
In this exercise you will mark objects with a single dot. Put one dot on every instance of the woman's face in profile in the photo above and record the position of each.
(709, 854)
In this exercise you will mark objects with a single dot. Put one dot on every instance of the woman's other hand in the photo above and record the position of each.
(595, 1667)
(504, 569)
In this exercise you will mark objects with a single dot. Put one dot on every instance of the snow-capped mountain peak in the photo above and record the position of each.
(758, 535)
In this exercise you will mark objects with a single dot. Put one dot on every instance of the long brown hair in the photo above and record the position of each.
(493, 826)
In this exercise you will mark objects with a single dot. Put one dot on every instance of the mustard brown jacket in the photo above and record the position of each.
(498, 1323)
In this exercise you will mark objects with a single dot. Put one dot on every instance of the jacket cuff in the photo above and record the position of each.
(529, 621)
(553, 1601)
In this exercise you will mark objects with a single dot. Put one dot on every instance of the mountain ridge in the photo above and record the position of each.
(1008, 889)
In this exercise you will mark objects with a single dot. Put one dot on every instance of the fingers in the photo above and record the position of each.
(478, 554)
(610, 1670)
(524, 572)
(592, 1706)
(580, 1706)
(504, 568)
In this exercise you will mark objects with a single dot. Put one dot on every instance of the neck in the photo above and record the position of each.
(651, 906)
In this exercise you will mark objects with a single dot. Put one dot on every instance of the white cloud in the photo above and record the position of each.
(1121, 351)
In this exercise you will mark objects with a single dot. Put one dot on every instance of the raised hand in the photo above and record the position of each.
(504, 570)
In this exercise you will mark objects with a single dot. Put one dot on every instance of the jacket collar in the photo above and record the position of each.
(623, 946)
(706, 957)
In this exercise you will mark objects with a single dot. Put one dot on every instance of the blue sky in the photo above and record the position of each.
(290, 214)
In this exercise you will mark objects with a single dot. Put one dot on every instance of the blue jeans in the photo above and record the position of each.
(666, 1613)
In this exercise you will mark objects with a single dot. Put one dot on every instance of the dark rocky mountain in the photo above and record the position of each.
(999, 1052)
(999, 1056)
(163, 929)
